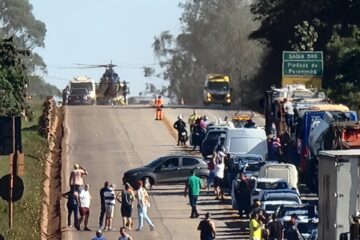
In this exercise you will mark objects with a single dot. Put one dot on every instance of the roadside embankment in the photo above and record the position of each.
(50, 212)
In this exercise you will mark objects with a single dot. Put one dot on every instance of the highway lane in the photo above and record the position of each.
(110, 140)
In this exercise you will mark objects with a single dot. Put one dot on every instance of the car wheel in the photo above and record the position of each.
(147, 183)
(204, 182)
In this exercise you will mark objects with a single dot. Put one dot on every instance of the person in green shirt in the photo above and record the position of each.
(192, 187)
(255, 227)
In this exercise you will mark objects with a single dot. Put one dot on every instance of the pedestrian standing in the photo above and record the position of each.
(192, 187)
(211, 177)
(84, 208)
(159, 104)
(207, 228)
(99, 235)
(72, 207)
(126, 198)
(219, 175)
(102, 202)
(242, 195)
(195, 135)
(142, 206)
(109, 195)
(76, 180)
(255, 227)
(291, 231)
(275, 228)
(124, 235)
(289, 114)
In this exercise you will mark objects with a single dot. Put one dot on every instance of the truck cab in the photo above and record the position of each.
(217, 90)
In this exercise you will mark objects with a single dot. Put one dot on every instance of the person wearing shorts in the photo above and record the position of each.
(109, 195)
(219, 179)
(84, 207)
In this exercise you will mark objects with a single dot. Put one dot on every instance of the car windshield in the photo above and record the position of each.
(271, 207)
(289, 212)
(244, 144)
(154, 163)
(280, 197)
(248, 159)
(222, 86)
(78, 91)
(86, 85)
(269, 185)
(253, 167)
(213, 136)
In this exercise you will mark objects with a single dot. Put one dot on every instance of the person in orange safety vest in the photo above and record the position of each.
(159, 104)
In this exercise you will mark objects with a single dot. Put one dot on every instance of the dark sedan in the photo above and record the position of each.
(172, 169)
(79, 96)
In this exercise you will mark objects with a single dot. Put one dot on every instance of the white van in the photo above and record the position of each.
(281, 170)
(246, 141)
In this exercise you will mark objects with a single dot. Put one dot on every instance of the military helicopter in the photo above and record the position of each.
(110, 90)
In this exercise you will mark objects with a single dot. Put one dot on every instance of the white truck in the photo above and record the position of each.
(339, 192)
(84, 82)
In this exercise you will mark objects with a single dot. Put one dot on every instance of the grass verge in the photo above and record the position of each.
(26, 218)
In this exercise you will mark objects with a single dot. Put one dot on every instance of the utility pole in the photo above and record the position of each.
(12, 164)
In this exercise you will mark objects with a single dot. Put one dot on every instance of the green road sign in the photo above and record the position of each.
(302, 64)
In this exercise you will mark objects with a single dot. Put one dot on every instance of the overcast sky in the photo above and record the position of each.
(100, 31)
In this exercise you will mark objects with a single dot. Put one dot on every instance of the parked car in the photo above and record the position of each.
(282, 194)
(263, 184)
(79, 96)
(272, 205)
(210, 141)
(172, 169)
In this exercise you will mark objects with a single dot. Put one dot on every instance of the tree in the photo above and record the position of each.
(13, 79)
(17, 21)
(214, 39)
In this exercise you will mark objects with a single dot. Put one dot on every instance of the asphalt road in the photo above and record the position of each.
(109, 140)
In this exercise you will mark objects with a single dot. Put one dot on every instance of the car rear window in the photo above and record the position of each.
(268, 185)
(190, 162)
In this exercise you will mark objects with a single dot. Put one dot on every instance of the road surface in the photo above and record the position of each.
(109, 140)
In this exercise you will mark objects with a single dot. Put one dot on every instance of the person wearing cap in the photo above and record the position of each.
(180, 126)
(126, 198)
(124, 235)
(159, 104)
(76, 180)
(207, 228)
(291, 231)
(99, 235)
(84, 207)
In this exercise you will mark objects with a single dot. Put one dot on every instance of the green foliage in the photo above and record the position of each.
(27, 210)
(17, 21)
(13, 79)
(214, 39)
(39, 89)
(326, 25)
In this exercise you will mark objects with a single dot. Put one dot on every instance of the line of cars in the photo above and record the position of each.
(275, 185)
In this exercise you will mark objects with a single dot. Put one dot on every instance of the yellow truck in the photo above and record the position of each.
(217, 89)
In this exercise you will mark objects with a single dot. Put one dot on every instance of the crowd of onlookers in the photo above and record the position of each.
(79, 199)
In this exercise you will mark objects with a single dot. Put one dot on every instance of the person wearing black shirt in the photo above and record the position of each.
(102, 199)
(275, 228)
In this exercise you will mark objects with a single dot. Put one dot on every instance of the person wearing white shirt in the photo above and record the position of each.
(84, 207)
(289, 113)
(219, 176)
